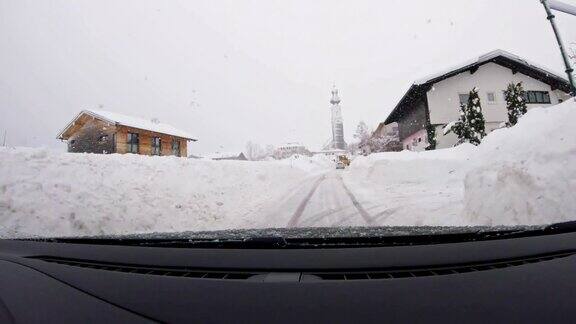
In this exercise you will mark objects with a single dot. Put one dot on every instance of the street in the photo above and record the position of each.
(323, 200)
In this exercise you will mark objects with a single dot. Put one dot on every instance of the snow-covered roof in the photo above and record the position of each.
(483, 59)
(291, 144)
(130, 121)
(501, 57)
(222, 155)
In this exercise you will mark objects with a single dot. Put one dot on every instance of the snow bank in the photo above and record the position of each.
(311, 164)
(523, 175)
(411, 188)
(44, 192)
(526, 174)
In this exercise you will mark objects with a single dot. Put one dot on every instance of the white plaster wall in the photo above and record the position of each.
(444, 104)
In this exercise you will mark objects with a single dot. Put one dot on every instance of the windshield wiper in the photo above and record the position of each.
(316, 238)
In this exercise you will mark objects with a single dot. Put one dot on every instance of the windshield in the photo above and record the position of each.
(148, 117)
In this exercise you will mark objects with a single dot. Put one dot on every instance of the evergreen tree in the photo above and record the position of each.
(470, 127)
(515, 102)
(475, 118)
(431, 132)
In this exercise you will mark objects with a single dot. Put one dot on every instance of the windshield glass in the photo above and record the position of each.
(150, 117)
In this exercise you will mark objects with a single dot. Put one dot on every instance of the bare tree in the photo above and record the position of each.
(384, 143)
(254, 152)
(361, 136)
(269, 150)
(362, 133)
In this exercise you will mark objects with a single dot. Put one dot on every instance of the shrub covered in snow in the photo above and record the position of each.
(470, 126)
(515, 102)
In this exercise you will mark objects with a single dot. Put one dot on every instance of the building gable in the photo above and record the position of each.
(514, 63)
(491, 79)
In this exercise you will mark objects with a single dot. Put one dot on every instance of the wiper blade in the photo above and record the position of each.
(247, 243)
(321, 237)
(561, 227)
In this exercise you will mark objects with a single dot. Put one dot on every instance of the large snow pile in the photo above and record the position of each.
(521, 175)
(526, 174)
(411, 188)
(44, 192)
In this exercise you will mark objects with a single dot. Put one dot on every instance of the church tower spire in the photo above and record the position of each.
(335, 98)
(337, 122)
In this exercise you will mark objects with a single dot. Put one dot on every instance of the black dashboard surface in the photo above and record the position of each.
(524, 279)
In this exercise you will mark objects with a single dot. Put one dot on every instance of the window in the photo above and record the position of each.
(537, 97)
(156, 146)
(491, 97)
(463, 97)
(133, 143)
(103, 138)
(176, 147)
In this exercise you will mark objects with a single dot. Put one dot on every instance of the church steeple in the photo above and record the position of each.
(337, 123)
(335, 98)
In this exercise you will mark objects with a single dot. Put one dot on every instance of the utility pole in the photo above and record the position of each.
(4, 141)
(556, 5)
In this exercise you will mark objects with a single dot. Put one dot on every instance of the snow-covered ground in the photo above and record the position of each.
(522, 175)
(48, 193)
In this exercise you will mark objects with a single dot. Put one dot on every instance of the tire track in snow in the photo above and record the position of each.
(302, 206)
(356, 203)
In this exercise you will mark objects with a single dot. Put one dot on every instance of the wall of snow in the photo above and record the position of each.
(58, 194)
(412, 188)
(526, 174)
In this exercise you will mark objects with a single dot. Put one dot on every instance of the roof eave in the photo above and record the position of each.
(414, 88)
(70, 124)
(544, 76)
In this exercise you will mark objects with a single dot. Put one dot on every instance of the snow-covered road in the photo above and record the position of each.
(325, 201)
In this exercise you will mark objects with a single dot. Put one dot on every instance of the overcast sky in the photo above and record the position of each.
(230, 71)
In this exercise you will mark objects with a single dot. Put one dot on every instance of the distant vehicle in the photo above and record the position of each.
(340, 165)
(344, 159)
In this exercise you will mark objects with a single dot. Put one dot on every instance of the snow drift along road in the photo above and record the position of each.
(58, 194)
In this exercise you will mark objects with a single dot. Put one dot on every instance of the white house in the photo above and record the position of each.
(288, 149)
(435, 100)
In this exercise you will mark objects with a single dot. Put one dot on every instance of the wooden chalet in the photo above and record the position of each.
(104, 132)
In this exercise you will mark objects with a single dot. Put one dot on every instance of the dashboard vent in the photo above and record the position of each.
(304, 276)
(154, 271)
(431, 271)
